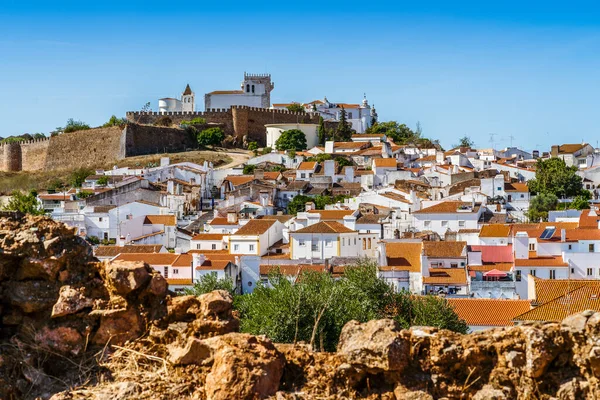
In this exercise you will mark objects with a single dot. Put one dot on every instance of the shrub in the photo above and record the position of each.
(292, 139)
(249, 169)
(24, 203)
(195, 121)
(163, 121)
(103, 180)
(114, 121)
(78, 176)
(93, 240)
(209, 282)
(210, 137)
(267, 150)
(73, 126)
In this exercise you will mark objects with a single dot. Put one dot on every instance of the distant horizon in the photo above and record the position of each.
(527, 71)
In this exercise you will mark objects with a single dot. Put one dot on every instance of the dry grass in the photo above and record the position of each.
(41, 180)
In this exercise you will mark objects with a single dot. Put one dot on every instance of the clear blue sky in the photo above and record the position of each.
(531, 71)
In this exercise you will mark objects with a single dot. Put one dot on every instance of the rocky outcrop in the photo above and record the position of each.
(68, 320)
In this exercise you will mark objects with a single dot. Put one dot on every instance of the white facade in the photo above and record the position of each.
(255, 92)
(274, 131)
(186, 103)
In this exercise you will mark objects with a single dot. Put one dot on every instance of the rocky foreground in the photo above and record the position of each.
(74, 328)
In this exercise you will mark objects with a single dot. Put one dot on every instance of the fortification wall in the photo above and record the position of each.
(220, 116)
(144, 139)
(34, 154)
(89, 148)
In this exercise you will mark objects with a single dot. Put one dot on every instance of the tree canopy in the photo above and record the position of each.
(322, 134)
(343, 132)
(78, 176)
(209, 282)
(292, 139)
(540, 205)
(114, 121)
(296, 107)
(210, 137)
(465, 141)
(554, 177)
(73, 126)
(399, 133)
(24, 203)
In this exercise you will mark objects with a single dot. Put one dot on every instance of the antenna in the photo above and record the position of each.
(511, 137)
(492, 138)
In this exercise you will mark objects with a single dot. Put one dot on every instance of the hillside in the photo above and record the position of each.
(41, 180)
(74, 328)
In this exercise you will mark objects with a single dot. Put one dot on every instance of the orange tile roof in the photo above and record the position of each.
(588, 221)
(209, 252)
(581, 299)
(255, 227)
(516, 187)
(500, 266)
(404, 255)
(541, 261)
(272, 175)
(239, 179)
(222, 221)
(307, 165)
(332, 214)
(180, 282)
(447, 207)
(325, 227)
(149, 258)
(546, 290)
(570, 148)
(444, 249)
(167, 220)
(161, 232)
(368, 135)
(385, 162)
(446, 276)
(227, 92)
(395, 196)
(573, 235)
(212, 265)
(184, 260)
(495, 230)
(209, 236)
(489, 312)
(112, 251)
(350, 145)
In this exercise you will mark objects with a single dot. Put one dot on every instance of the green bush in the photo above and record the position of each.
(249, 169)
(195, 121)
(78, 176)
(114, 121)
(73, 126)
(266, 150)
(163, 121)
(210, 137)
(209, 282)
(103, 180)
(24, 203)
(292, 139)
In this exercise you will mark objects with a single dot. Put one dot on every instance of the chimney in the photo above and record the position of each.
(439, 157)
(264, 198)
(171, 187)
(121, 241)
(164, 161)
(350, 222)
(232, 217)
(259, 173)
(309, 206)
(563, 235)
(521, 245)
(329, 147)
(197, 260)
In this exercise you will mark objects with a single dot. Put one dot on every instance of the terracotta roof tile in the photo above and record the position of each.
(444, 249)
(222, 221)
(446, 276)
(149, 258)
(213, 264)
(546, 290)
(404, 255)
(237, 180)
(495, 230)
(385, 163)
(449, 207)
(325, 227)
(167, 220)
(350, 145)
(588, 221)
(255, 227)
(489, 312)
(184, 260)
(516, 187)
(307, 165)
(328, 215)
(584, 298)
(542, 261)
(209, 236)
(182, 282)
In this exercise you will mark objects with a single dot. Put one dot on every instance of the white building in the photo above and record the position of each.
(274, 132)
(255, 237)
(186, 103)
(326, 239)
(255, 92)
(447, 216)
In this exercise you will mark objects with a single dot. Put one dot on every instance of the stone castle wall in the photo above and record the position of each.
(142, 140)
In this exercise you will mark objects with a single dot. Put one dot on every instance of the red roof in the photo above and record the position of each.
(494, 253)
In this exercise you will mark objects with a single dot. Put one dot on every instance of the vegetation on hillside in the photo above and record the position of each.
(114, 121)
(292, 139)
(210, 137)
(298, 204)
(73, 126)
(400, 133)
(314, 307)
(25, 203)
(296, 107)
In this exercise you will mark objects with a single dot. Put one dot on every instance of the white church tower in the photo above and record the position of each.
(187, 100)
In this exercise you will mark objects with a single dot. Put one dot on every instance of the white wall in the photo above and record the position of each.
(310, 131)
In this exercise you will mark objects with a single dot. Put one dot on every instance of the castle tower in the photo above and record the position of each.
(187, 100)
(258, 85)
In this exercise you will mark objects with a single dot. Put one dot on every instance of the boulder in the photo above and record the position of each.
(215, 303)
(375, 345)
(244, 367)
(195, 351)
(31, 296)
(183, 308)
(62, 339)
(119, 326)
(70, 301)
(125, 276)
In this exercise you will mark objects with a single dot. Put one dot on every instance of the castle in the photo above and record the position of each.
(186, 104)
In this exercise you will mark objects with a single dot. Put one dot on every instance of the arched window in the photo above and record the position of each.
(252, 88)
(364, 243)
(247, 88)
(369, 242)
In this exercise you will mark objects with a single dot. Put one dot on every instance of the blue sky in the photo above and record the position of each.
(473, 68)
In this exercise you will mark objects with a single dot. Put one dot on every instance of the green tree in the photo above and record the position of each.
(114, 121)
(103, 180)
(582, 202)
(343, 162)
(343, 132)
(210, 137)
(436, 311)
(78, 176)
(24, 203)
(321, 133)
(84, 194)
(296, 107)
(540, 205)
(292, 139)
(267, 150)
(465, 141)
(73, 126)
(553, 176)
(253, 146)
(298, 204)
(399, 133)
(195, 121)
(249, 169)
(209, 282)
(319, 157)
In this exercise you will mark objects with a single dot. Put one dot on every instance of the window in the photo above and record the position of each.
(581, 161)
(251, 247)
(285, 195)
(499, 189)
(532, 272)
(552, 274)
(315, 246)
(522, 196)
(198, 246)
(301, 243)
(100, 219)
(166, 272)
(531, 246)
(355, 241)
(590, 271)
(570, 247)
(343, 241)
(591, 247)
(444, 223)
(252, 88)
(302, 175)
(572, 270)
(175, 271)
(461, 224)
(427, 224)
(369, 240)
(236, 247)
(349, 115)
(247, 88)
(328, 243)
(518, 276)
(214, 246)
(453, 265)
(364, 243)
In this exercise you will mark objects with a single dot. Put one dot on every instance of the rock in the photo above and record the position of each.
(215, 303)
(574, 389)
(70, 301)
(119, 327)
(403, 393)
(244, 367)
(375, 345)
(31, 296)
(488, 392)
(542, 346)
(593, 325)
(195, 351)
(158, 285)
(62, 339)
(183, 308)
(126, 276)
(575, 322)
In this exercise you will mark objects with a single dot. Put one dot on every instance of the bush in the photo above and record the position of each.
(84, 194)
(93, 240)
(163, 121)
(103, 180)
(24, 203)
(78, 176)
(209, 282)
(267, 150)
(114, 121)
(210, 137)
(253, 146)
(195, 121)
(73, 126)
(249, 169)
(292, 139)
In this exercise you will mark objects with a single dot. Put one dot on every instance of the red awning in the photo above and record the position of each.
(495, 273)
